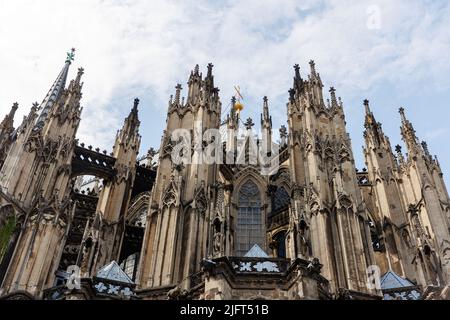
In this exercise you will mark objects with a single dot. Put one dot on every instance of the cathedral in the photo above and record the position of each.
(297, 221)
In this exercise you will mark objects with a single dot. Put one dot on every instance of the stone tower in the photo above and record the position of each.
(408, 202)
(328, 217)
(107, 229)
(176, 238)
(43, 147)
(219, 211)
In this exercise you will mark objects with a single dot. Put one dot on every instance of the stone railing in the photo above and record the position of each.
(244, 265)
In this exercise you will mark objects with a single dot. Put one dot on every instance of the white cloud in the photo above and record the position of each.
(148, 46)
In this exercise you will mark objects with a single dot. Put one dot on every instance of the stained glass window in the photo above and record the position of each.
(249, 227)
(281, 199)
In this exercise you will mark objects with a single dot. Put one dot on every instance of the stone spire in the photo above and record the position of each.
(194, 86)
(371, 125)
(6, 133)
(266, 119)
(408, 133)
(400, 158)
(283, 136)
(178, 89)
(9, 118)
(369, 118)
(233, 117)
(298, 81)
(312, 65)
(55, 91)
(131, 124)
(76, 85)
(334, 103)
(209, 80)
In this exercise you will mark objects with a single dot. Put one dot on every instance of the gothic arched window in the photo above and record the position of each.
(250, 221)
(280, 200)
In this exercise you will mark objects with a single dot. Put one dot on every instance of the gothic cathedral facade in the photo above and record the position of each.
(79, 223)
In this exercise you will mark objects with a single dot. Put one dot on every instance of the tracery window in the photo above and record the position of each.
(250, 220)
(280, 200)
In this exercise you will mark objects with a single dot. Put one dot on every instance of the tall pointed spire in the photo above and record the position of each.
(373, 128)
(298, 81)
(9, 118)
(233, 117)
(312, 65)
(6, 130)
(408, 133)
(266, 119)
(55, 91)
(194, 86)
(130, 129)
(209, 80)
(178, 89)
(334, 102)
(398, 150)
(369, 119)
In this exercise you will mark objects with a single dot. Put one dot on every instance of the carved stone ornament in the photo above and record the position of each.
(201, 201)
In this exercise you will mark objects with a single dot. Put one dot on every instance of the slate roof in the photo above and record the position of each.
(391, 280)
(256, 252)
(113, 272)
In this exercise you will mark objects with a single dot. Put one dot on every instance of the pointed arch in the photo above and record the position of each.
(250, 222)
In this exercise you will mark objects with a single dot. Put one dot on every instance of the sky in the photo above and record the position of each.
(394, 53)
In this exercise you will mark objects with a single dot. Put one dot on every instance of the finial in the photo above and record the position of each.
(136, 103)
(265, 115)
(249, 124)
(13, 110)
(233, 100)
(177, 93)
(70, 56)
(297, 71)
(333, 97)
(196, 69)
(283, 135)
(79, 74)
(398, 148)
(366, 105)
(425, 148)
(312, 64)
(402, 114)
(210, 67)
